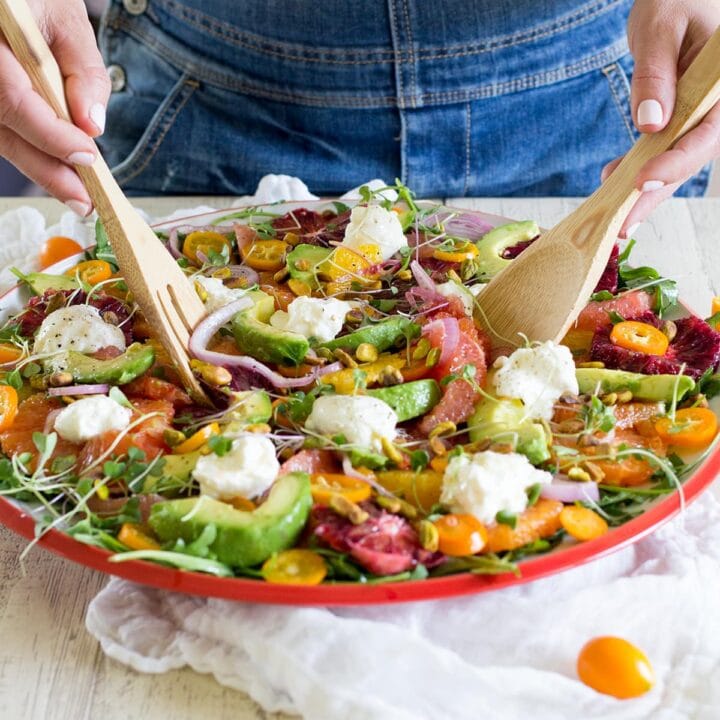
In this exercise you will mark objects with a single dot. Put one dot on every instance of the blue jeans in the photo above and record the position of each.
(455, 97)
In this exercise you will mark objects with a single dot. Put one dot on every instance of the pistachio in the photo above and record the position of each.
(609, 398)
(281, 275)
(201, 291)
(391, 504)
(428, 535)
(345, 358)
(39, 382)
(624, 396)
(60, 379)
(222, 274)
(432, 357)
(444, 428)
(366, 352)
(325, 353)
(595, 471)
(259, 428)
(314, 359)
(669, 328)
(239, 283)
(390, 375)
(212, 374)
(302, 264)
(348, 509)
(421, 349)
(173, 437)
(479, 446)
(577, 473)
(503, 448)
(299, 287)
(110, 317)
(570, 427)
(403, 275)
(591, 364)
(437, 445)
(391, 450)
(55, 302)
(291, 238)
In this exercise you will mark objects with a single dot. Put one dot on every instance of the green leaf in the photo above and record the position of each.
(14, 379)
(220, 445)
(175, 559)
(601, 296)
(103, 249)
(119, 397)
(615, 317)
(419, 460)
(533, 493)
(507, 518)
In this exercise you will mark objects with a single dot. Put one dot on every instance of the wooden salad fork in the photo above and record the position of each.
(161, 289)
(542, 292)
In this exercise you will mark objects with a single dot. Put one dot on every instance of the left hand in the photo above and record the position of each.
(664, 38)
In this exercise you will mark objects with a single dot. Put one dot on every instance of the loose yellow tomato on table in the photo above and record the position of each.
(57, 248)
(265, 254)
(613, 666)
(295, 567)
(692, 428)
(640, 337)
(204, 241)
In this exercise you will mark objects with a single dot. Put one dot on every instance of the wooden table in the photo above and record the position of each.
(52, 669)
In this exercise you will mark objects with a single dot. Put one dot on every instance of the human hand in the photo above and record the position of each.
(664, 38)
(32, 137)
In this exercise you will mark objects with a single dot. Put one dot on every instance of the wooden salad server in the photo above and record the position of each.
(161, 289)
(542, 292)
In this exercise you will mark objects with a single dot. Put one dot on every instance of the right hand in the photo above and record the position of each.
(32, 137)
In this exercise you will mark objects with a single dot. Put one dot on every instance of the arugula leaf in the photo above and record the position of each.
(102, 249)
(709, 384)
(601, 296)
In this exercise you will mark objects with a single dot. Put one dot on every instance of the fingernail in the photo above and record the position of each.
(632, 230)
(650, 185)
(85, 159)
(79, 208)
(97, 117)
(649, 112)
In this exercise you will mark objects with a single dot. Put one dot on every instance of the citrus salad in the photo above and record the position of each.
(364, 428)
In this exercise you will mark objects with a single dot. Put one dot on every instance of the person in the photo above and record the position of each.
(459, 97)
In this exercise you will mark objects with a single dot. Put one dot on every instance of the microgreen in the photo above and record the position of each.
(220, 445)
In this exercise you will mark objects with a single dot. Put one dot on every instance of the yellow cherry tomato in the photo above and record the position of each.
(295, 567)
(324, 485)
(265, 254)
(613, 666)
(197, 440)
(640, 337)
(463, 250)
(91, 272)
(204, 241)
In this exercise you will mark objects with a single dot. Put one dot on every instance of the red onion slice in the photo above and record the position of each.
(99, 389)
(424, 281)
(467, 225)
(569, 491)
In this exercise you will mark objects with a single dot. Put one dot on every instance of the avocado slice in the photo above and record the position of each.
(383, 335)
(255, 336)
(40, 283)
(409, 400)
(244, 539)
(136, 360)
(248, 408)
(656, 388)
(175, 474)
(303, 262)
(491, 246)
(503, 420)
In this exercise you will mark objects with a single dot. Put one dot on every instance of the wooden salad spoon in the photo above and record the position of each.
(542, 292)
(161, 289)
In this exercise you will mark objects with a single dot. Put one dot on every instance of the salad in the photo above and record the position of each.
(364, 429)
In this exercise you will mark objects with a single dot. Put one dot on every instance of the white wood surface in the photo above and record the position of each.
(52, 669)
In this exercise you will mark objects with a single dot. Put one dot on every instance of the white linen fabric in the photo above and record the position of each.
(499, 656)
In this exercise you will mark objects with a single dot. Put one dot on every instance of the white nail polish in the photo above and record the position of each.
(79, 208)
(632, 230)
(649, 112)
(97, 117)
(650, 185)
(86, 159)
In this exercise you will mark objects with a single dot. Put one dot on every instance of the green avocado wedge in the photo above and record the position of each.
(244, 539)
(383, 335)
(256, 337)
(40, 283)
(120, 370)
(303, 263)
(491, 246)
(409, 400)
(655, 388)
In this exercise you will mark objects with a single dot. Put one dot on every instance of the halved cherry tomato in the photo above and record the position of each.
(197, 440)
(460, 534)
(136, 538)
(693, 428)
(204, 241)
(715, 305)
(421, 489)
(640, 337)
(324, 485)
(91, 272)
(416, 371)
(613, 666)
(344, 262)
(8, 406)
(295, 567)
(464, 250)
(582, 523)
(9, 353)
(265, 254)
(57, 248)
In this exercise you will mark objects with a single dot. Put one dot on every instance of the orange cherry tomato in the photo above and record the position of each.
(639, 336)
(265, 254)
(136, 538)
(295, 567)
(91, 272)
(460, 534)
(582, 523)
(613, 666)
(461, 250)
(324, 485)
(693, 428)
(9, 353)
(197, 440)
(417, 370)
(8, 406)
(57, 248)
(204, 241)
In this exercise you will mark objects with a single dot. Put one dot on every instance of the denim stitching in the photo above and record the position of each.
(185, 90)
(411, 49)
(395, 37)
(527, 82)
(611, 74)
(468, 126)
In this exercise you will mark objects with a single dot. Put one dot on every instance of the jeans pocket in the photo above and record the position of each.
(618, 76)
(150, 142)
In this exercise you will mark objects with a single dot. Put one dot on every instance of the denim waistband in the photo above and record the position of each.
(379, 53)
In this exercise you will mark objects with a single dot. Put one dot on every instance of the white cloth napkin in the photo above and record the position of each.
(504, 655)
